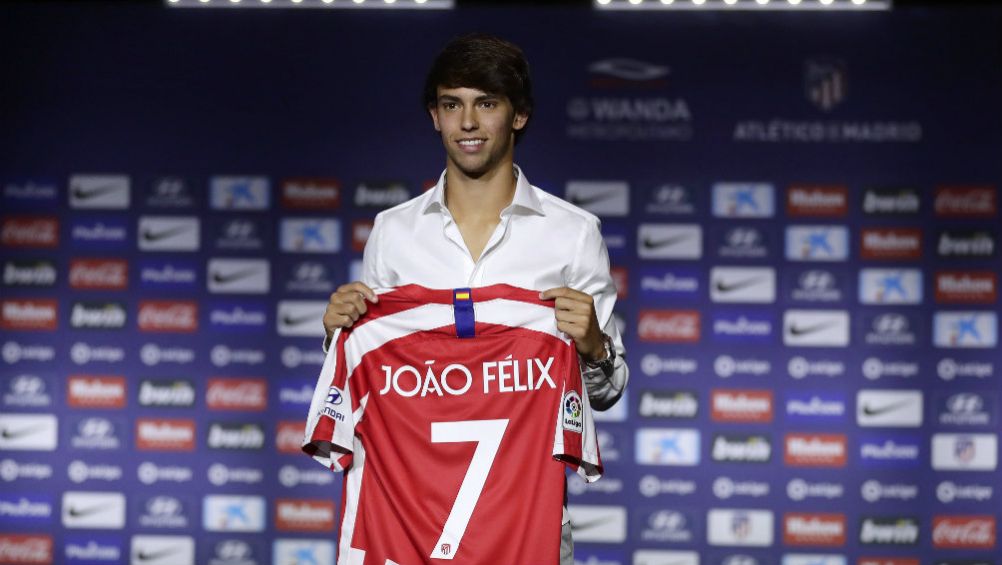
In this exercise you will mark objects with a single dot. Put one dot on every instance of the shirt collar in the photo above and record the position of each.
(525, 196)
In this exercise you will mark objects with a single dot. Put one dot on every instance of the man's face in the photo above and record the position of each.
(478, 129)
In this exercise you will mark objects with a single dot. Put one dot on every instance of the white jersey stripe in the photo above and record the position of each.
(352, 491)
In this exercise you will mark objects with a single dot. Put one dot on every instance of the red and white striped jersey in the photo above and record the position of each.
(453, 414)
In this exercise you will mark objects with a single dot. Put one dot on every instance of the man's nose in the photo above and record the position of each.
(469, 118)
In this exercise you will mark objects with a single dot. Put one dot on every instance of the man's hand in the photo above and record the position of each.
(346, 305)
(576, 317)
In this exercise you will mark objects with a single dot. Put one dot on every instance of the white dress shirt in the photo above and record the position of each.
(541, 242)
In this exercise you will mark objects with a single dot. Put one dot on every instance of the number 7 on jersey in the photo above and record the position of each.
(487, 434)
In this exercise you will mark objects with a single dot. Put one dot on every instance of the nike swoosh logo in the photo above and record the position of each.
(804, 330)
(575, 526)
(15, 434)
(658, 243)
(143, 555)
(578, 200)
(234, 276)
(871, 411)
(293, 321)
(150, 235)
(730, 287)
(76, 512)
(88, 193)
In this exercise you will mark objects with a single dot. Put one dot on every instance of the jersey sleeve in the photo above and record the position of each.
(575, 441)
(330, 427)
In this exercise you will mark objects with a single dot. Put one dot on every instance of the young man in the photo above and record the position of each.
(483, 223)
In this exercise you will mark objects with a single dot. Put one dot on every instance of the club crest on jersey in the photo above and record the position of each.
(334, 399)
(573, 412)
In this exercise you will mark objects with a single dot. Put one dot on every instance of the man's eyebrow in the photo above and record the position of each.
(481, 98)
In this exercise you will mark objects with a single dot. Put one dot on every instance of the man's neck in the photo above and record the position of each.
(481, 198)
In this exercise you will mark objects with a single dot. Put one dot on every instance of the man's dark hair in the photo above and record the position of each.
(484, 62)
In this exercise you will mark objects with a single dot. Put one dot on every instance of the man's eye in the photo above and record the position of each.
(450, 105)
(488, 105)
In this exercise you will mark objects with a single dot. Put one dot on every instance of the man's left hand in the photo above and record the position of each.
(575, 312)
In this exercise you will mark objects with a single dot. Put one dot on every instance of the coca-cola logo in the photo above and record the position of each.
(669, 326)
(18, 549)
(963, 532)
(23, 231)
(168, 316)
(289, 436)
(237, 394)
(966, 201)
(99, 274)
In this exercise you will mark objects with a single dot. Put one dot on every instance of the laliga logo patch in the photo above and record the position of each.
(573, 412)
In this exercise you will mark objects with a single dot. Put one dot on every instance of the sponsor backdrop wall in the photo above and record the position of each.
(801, 212)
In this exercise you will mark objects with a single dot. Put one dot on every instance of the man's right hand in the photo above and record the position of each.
(346, 305)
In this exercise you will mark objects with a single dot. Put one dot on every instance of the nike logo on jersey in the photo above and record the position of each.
(870, 410)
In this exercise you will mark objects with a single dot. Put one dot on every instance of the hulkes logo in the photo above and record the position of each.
(669, 326)
(966, 201)
(29, 315)
(815, 450)
(822, 530)
(891, 244)
(966, 287)
(165, 435)
(817, 201)
(30, 231)
(83, 391)
(825, 83)
(311, 194)
(304, 515)
(31, 272)
(743, 200)
(885, 201)
(746, 406)
(239, 193)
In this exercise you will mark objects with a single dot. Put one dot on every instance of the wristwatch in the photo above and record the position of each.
(606, 362)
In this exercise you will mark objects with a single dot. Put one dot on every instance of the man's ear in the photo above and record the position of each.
(433, 111)
(519, 121)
